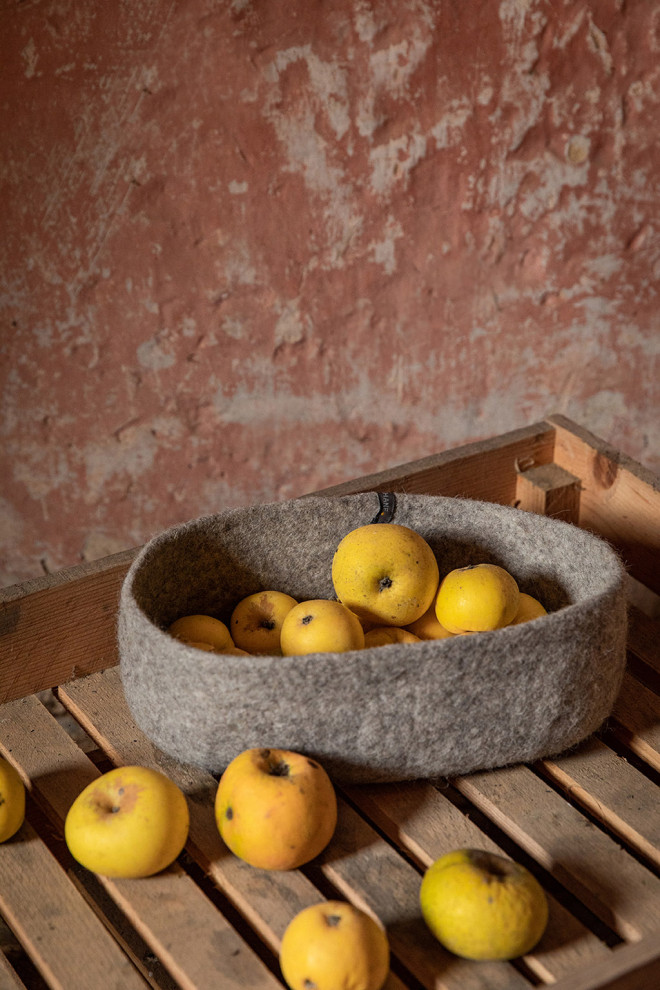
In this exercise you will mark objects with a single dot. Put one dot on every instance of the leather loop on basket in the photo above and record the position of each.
(385, 514)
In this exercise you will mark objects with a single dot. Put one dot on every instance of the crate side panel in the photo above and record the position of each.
(620, 499)
(56, 632)
(484, 470)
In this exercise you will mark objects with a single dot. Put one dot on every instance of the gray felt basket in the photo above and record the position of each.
(432, 709)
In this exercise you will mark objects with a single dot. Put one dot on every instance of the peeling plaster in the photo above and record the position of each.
(256, 248)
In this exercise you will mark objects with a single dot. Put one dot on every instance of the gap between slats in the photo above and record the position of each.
(614, 793)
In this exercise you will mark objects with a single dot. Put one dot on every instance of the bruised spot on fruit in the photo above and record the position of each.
(497, 868)
(309, 984)
(279, 769)
(229, 813)
(385, 583)
(306, 619)
(332, 920)
(267, 624)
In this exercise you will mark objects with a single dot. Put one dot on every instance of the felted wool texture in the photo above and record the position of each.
(403, 711)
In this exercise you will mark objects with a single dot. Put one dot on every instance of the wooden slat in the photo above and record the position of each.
(268, 900)
(484, 470)
(64, 938)
(614, 792)
(187, 932)
(632, 967)
(637, 720)
(426, 825)
(620, 499)
(593, 866)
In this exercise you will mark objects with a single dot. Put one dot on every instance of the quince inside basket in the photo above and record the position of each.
(431, 709)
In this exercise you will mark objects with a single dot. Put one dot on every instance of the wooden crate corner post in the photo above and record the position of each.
(549, 490)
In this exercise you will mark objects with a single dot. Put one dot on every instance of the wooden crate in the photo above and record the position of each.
(587, 824)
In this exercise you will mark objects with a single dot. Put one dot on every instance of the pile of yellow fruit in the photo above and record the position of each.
(388, 590)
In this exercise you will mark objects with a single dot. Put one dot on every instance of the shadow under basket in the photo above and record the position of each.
(432, 709)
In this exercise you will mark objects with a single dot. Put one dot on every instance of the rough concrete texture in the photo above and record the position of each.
(253, 248)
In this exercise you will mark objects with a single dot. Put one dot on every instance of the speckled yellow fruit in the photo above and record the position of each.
(196, 629)
(12, 800)
(275, 809)
(334, 946)
(477, 598)
(528, 608)
(385, 573)
(320, 626)
(428, 627)
(131, 822)
(256, 622)
(384, 635)
(483, 906)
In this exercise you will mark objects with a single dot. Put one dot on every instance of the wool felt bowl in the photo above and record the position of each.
(430, 709)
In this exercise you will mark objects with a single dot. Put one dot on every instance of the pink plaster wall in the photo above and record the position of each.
(253, 248)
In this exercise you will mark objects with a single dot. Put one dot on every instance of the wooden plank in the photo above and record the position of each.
(62, 936)
(268, 900)
(421, 820)
(112, 917)
(632, 967)
(637, 720)
(60, 626)
(188, 933)
(588, 862)
(620, 499)
(613, 791)
(372, 874)
(484, 470)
